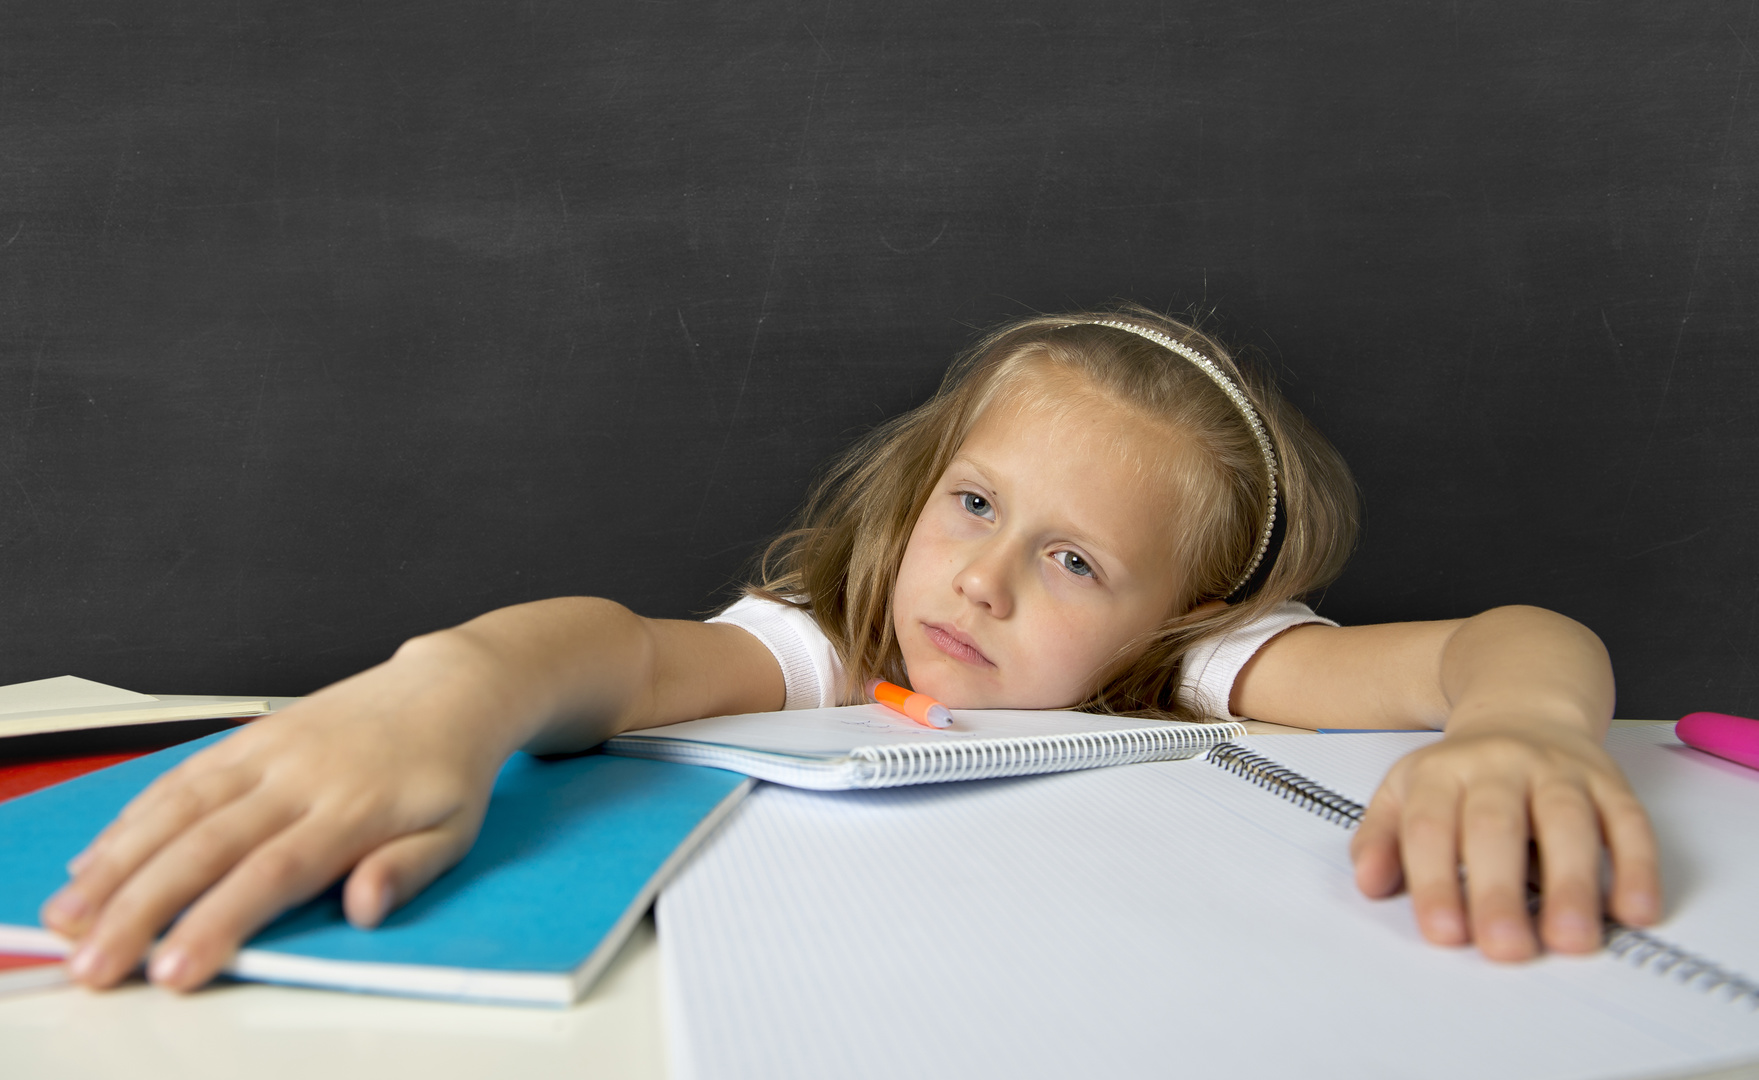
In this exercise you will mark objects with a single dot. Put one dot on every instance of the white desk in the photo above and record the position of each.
(237, 1030)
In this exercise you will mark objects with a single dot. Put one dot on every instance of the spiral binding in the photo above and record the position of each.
(940, 762)
(1644, 950)
(1288, 783)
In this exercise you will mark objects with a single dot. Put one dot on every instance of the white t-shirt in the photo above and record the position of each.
(812, 672)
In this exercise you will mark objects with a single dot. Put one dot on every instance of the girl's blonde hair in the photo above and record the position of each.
(841, 559)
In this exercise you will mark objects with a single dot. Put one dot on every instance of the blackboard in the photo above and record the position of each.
(323, 324)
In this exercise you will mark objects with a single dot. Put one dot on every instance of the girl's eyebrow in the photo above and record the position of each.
(963, 469)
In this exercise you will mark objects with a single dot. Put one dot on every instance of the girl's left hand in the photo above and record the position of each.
(1454, 822)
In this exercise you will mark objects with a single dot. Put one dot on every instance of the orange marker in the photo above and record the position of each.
(919, 707)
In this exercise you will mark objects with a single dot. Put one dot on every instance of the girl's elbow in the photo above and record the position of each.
(1538, 618)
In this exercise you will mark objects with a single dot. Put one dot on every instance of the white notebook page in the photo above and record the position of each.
(1705, 811)
(1144, 920)
(65, 692)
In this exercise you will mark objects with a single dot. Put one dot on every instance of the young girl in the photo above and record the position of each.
(1096, 511)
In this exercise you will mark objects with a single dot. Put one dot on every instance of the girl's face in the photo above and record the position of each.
(1043, 549)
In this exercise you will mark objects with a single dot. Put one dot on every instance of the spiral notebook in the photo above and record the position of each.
(869, 746)
(1168, 919)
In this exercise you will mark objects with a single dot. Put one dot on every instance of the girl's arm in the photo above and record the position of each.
(1525, 697)
(387, 773)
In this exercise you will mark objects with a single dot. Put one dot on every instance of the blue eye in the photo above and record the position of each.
(975, 504)
(1074, 563)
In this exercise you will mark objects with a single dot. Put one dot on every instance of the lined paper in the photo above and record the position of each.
(1152, 919)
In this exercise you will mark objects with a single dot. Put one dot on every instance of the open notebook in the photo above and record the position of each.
(869, 746)
(570, 856)
(1178, 919)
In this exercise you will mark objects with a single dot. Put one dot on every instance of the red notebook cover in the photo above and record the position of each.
(19, 973)
(24, 777)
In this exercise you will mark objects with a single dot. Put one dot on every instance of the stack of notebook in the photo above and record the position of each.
(1161, 916)
(572, 852)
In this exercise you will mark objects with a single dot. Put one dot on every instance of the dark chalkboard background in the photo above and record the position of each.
(322, 324)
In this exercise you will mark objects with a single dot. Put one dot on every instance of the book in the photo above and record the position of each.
(67, 715)
(869, 746)
(21, 973)
(23, 777)
(570, 856)
(1179, 918)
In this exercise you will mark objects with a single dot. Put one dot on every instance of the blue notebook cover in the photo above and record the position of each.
(570, 856)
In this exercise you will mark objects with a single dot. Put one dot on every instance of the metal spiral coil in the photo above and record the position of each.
(940, 762)
(1647, 952)
(1640, 948)
(1287, 783)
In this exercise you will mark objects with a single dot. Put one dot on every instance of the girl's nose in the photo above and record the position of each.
(984, 580)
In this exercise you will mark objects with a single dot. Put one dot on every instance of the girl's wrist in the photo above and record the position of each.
(1520, 668)
(1527, 713)
(473, 687)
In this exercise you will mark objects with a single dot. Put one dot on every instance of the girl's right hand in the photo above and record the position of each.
(387, 773)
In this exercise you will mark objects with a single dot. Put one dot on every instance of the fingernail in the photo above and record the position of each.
(1642, 907)
(79, 862)
(1506, 931)
(66, 906)
(1443, 926)
(376, 910)
(382, 904)
(85, 963)
(1574, 928)
(168, 965)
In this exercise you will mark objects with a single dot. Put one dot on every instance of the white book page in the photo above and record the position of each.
(65, 692)
(835, 732)
(1705, 812)
(1143, 920)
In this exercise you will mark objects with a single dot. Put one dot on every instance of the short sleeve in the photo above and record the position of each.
(811, 670)
(1212, 665)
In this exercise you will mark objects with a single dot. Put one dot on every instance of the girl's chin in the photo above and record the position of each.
(952, 692)
(959, 694)
(957, 686)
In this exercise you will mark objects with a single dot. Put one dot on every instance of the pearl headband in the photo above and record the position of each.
(1228, 387)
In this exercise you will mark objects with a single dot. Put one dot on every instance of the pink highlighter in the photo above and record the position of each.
(1733, 737)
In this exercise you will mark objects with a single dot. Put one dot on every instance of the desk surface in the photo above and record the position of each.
(139, 1032)
(270, 1032)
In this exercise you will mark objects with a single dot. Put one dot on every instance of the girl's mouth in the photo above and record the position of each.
(956, 645)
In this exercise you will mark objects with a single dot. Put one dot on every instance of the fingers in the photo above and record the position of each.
(1493, 848)
(296, 865)
(165, 883)
(1463, 813)
(293, 866)
(1636, 877)
(1429, 847)
(161, 812)
(391, 875)
(1565, 825)
(1374, 848)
